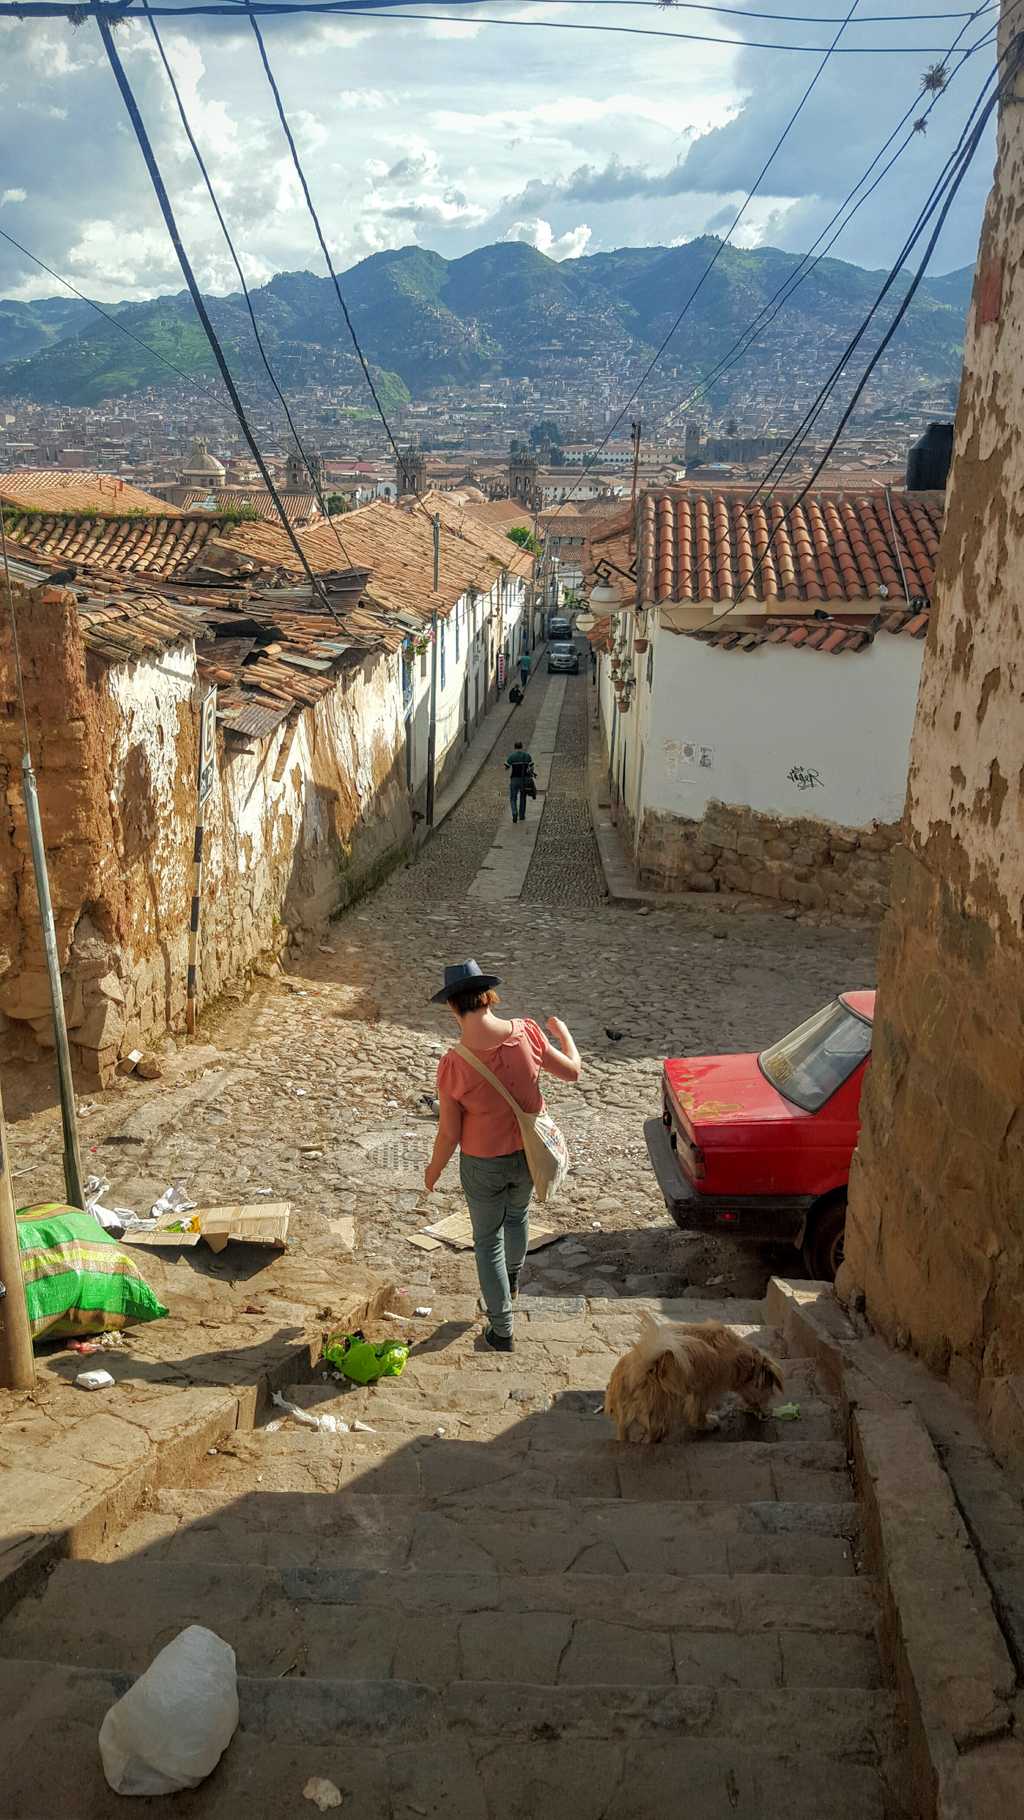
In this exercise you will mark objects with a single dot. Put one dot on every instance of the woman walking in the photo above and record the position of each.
(478, 1122)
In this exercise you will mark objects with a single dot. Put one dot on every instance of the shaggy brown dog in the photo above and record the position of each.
(678, 1371)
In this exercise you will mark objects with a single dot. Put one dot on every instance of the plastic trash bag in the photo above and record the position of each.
(171, 1729)
(364, 1361)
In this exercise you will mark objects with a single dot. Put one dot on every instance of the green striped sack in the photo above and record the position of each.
(78, 1279)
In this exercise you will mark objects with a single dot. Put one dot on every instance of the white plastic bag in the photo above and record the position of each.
(171, 1729)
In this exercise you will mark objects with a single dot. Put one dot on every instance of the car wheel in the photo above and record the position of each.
(823, 1246)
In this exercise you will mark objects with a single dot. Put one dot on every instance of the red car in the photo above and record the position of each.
(760, 1145)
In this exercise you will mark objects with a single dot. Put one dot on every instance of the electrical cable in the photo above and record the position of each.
(940, 201)
(792, 282)
(100, 311)
(138, 126)
(589, 465)
(787, 455)
(183, 116)
(300, 173)
(628, 31)
(66, 9)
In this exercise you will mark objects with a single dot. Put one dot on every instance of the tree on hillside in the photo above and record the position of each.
(546, 434)
(523, 536)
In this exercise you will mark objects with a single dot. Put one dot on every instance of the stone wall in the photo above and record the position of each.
(837, 871)
(296, 827)
(935, 1237)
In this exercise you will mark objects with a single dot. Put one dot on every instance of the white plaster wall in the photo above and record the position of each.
(149, 698)
(732, 727)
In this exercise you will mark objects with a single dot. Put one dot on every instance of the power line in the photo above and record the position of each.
(792, 282)
(242, 281)
(784, 460)
(66, 9)
(300, 173)
(712, 262)
(628, 31)
(138, 126)
(100, 311)
(943, 192)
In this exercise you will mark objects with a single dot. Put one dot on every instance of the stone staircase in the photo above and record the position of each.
(488, 1609)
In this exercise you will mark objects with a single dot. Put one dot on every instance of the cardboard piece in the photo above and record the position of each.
(265, 1223)
(457, 1230)
(423, 1241)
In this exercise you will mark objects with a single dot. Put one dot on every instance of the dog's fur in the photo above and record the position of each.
(678, 1371)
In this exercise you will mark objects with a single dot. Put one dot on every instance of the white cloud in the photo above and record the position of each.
(453, 28)
(7, 196)
(541, 234)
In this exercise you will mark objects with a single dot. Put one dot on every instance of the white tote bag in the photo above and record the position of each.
(547, 1153)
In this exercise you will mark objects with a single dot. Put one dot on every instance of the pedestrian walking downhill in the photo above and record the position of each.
(524, 667)
(519, 766)
(476, 1120)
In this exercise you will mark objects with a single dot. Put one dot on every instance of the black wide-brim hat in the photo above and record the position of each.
(465, 976)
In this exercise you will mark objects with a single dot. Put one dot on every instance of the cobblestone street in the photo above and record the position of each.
(317, 1087)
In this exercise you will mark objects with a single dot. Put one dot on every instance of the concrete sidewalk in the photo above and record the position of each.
(503, 874)
(480, 748)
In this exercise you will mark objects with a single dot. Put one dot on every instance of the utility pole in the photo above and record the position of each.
(634, 431)
(68, 1114)
(432, 721)
(17, 1365)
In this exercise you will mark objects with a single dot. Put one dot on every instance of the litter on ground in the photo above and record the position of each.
(322, 1793)
(172, 1727)
(94, 1380)
(786, 1412)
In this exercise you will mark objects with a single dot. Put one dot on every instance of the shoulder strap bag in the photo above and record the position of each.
(547, 1154)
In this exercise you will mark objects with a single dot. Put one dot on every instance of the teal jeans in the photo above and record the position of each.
(497, 1191)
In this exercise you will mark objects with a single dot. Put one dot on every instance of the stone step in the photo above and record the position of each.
(545, 1420)
(400, 1749)
(562, 1630)
(514, 1469)
(540, 1535)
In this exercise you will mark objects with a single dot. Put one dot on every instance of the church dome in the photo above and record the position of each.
(202, 465)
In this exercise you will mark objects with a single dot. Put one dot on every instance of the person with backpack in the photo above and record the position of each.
(476, 1119)
(519, 766)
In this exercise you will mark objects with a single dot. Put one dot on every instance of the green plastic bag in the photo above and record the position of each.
(364, 1361)
(78, 1279)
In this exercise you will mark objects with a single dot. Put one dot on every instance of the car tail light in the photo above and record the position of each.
(728, 1218)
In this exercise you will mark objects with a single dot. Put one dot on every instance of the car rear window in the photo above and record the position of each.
(812, 1062)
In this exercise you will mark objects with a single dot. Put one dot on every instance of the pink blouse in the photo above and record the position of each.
(489, 1126)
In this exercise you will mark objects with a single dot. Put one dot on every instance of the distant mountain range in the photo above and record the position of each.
(504, 310)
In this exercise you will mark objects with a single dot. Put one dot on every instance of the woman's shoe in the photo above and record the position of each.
(498, 1342)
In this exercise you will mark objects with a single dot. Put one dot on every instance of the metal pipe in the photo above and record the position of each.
(69, 1119)
(432, 721)
(17, 1364)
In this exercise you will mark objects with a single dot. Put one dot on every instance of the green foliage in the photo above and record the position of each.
(523, 536)
(546, 434)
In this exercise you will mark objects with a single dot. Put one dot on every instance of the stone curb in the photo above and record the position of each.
(50, 1512)
(940, 1636)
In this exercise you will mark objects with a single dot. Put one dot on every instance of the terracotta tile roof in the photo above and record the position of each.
(503, 513)
(164, 547)
(831, 636)
(699, 544)
(299, 507)
(610, 556)
(396, 544)
(77, 490)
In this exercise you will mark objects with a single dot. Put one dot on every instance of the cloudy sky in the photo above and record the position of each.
(456, 132)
